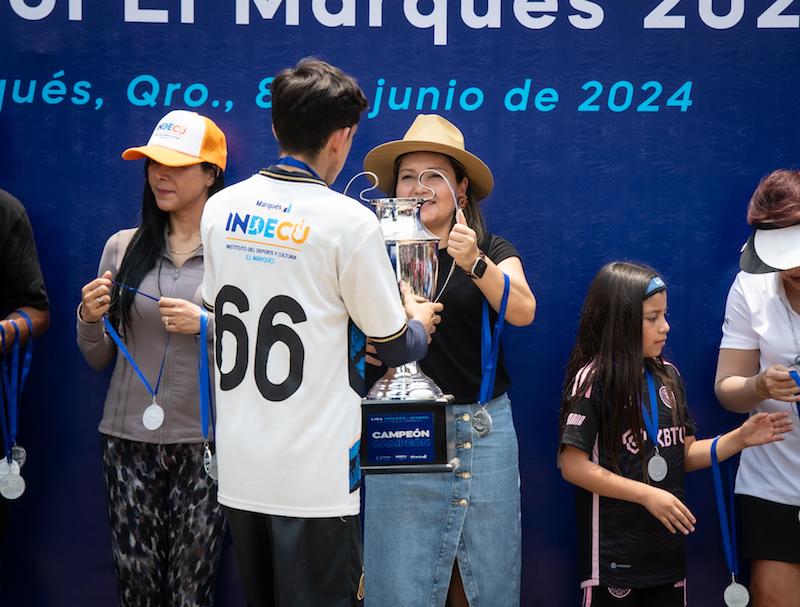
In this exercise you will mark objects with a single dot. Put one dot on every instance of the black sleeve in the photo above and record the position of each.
(581, 427)
(499, 249)
(20, 273)
(411, 345)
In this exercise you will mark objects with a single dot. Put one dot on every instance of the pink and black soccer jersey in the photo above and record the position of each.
(620, 543)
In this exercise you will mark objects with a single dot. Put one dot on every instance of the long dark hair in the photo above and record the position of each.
(472, 210)
(608, 348)
(145, 249)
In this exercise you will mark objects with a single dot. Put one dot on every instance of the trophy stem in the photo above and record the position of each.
(406, 382)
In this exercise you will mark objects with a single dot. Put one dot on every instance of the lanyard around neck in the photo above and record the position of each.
(651, 417)
(121, 345)
(291, 161)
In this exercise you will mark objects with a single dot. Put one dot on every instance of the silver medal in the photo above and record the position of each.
(657, 468)
(12, 486)
(210, 463)
(736, 595)
(19, 455)
(7, 469)
(482, 422)
(153, 416)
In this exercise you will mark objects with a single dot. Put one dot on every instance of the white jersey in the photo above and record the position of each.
(288, 264)
(758, 317)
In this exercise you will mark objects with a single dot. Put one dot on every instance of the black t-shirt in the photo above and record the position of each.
(20, 274)
(620, 543)
(454, 355)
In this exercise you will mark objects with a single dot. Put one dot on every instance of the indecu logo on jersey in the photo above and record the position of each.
(270, 228)
(667, 437)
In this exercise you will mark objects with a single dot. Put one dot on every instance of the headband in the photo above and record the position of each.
(656, 285)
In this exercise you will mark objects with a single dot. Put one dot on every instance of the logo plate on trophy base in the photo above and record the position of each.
(405, 437)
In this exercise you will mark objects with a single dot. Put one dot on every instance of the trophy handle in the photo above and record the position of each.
(364, 191)
(433, 192)
(455, 205)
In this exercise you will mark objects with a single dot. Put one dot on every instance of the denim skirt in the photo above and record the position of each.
(417, 525)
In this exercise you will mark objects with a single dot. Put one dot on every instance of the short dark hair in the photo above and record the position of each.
(312, 100)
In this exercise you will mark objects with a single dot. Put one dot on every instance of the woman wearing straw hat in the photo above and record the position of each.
(142, 312)
(757, 371)
(460, 533)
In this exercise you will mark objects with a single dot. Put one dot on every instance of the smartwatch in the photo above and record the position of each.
(479, 267)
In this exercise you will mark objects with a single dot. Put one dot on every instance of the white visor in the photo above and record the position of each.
(779, 248)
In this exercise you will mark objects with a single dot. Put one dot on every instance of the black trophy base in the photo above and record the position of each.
(408, 436)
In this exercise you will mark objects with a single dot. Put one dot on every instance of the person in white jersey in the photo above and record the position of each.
(758, 357)
(298, 277)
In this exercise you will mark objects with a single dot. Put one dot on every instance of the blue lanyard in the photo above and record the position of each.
(26, 365)
(13, 381)
(727, 526)
(117, 340)
(651, 417)
(796, 377)
(8, 400)
(206, 410)
(490, 347)
(137, 291)
(290, 161)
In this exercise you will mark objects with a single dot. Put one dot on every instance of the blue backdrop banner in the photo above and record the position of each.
(614, 130)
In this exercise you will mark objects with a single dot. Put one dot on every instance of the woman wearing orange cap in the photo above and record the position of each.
(142, 313)
(436, 537)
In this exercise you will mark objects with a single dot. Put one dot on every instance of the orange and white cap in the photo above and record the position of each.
(183, 138)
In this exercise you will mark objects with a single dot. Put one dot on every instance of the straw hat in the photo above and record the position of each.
(430, 133)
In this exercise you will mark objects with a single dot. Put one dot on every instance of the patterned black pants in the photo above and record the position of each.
(166, 523)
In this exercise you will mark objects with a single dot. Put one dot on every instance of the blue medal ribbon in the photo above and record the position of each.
(651, 417)
(796, 377)
(26, 365)
(121, 345)
(7, 394)
(19, 375)
(490, 346)
(135, 290)
(290, 161)
(727, 526)
(13, 380)
(206, 411)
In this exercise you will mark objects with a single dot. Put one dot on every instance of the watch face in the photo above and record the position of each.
(480, 267)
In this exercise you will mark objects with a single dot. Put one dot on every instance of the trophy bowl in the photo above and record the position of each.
(413, 251)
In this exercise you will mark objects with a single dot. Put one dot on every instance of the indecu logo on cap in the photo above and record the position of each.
(181, 131)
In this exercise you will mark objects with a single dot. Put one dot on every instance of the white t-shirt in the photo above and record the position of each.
(288, 264)
(759, 317)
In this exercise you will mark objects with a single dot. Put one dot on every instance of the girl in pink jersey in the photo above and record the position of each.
(627, 440)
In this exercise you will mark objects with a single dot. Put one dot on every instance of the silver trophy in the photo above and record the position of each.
(413, 251)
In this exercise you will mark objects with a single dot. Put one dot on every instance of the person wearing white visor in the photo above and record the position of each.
(757, 371)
